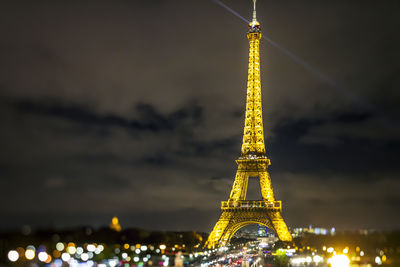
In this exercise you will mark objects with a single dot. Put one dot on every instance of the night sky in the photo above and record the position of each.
(136, 109)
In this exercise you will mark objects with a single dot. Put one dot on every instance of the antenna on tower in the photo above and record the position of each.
(254, 11)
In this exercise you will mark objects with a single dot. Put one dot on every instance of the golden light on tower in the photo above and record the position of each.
(253, 162)
(115, 224)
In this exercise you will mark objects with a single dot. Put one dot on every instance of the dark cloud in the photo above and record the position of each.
(149, 119)
(136, 110)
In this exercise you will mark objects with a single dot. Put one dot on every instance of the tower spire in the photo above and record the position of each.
(254, 11)
(253, 134)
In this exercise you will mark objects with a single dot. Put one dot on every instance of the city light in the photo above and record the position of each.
(65, 257)
(339, 260)
(71, 250)
(112, 263)
(13, 255)
(163, 247)
(79, 250)
(42, 256)
(84, 256)
(60, 246)
(317, 259)
(29, 254)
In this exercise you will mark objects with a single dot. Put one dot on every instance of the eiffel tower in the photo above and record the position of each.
(238, 212)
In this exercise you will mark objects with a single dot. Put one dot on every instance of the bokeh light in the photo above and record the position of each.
(339, 260)
(13, 255)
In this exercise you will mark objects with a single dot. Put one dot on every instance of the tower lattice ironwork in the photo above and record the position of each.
(237, 211)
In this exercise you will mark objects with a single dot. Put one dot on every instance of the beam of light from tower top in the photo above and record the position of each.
(317, 73)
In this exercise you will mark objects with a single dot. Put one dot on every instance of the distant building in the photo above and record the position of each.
(313, 230)
(115, 224)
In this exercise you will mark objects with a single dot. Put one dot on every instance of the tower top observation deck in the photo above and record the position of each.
(254, 25)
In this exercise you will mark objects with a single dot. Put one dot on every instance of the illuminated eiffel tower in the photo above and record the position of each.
(238, 212)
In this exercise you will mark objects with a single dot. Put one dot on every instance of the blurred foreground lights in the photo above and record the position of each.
(42, 256)
(65, 257)
(330, 250)
(339, 261)
(29, 254)
(163, 247)
(71, 250)
(79, 250)
(378, 260)
(91, 247)
(136, 259)
(13, 255)
(112, 263)
(317, 259)
(60, 246)
(143, 248)
(58, 263)
(84, 256)
(49, 258)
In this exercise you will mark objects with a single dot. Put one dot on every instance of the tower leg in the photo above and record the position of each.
(266, 187)
(239, 188)
(219, 230)
(280, 226)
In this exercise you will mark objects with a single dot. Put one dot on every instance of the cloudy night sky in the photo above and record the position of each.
(136, 109)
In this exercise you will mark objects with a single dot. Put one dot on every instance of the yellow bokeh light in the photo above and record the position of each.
(71, 250)
(29, 254)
